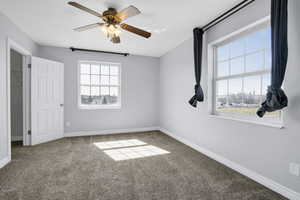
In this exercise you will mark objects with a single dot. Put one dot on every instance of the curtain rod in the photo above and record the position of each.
(97, 51)
(227, 14)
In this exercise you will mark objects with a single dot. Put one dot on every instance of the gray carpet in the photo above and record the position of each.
(77, 169)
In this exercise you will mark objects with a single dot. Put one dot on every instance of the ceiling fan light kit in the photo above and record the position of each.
(113, 22)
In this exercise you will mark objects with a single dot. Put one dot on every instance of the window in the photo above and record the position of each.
(99, 85)
(242, 73)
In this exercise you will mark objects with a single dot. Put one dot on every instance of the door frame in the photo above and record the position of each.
(11, 44)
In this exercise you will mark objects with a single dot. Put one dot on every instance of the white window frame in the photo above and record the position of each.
(96, 107)
(212, 77)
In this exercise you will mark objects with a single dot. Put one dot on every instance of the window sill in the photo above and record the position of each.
(108, 107)
(249, 121)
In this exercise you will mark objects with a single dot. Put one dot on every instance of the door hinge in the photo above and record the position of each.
(29, 132)
(29, 66)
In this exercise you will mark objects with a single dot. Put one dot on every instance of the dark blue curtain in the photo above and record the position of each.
(276, 98)
(198, 42)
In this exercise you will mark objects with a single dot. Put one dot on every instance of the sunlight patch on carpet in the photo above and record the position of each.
(119, 144)
(135, 152)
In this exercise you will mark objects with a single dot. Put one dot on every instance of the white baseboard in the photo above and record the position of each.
(111, 131)
(4, 162)
(16, 138)
(287, 192)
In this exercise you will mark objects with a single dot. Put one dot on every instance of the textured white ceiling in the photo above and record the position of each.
(50, 22)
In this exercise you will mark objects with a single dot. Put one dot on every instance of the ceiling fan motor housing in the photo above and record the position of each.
(110, 16)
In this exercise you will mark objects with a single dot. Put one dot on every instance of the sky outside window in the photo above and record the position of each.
(248, 54)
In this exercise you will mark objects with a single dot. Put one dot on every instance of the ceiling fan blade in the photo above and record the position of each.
(90, 26)
(127, 12)
(116, 40)
(81, 7)
(135, 30)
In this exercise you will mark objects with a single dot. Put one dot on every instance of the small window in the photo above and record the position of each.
(99, 85)
(242, 73)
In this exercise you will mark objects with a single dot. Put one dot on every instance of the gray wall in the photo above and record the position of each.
(8, 29)
(140, 89)
(265, 150)
(16, 92)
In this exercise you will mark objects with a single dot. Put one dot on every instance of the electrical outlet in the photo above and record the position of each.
(295, 169)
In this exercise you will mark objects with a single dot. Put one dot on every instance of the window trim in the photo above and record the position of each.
(212, 77)
(98, 107)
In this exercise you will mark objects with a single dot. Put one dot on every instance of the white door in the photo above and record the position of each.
(46, 100)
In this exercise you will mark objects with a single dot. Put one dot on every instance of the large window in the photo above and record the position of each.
(242, 73)
(99, 85)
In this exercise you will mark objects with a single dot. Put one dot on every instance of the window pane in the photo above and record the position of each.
(223, 69)
(237, 66)
(85, 69)
(221, 103)
(223, 53)
(235, 86)
(104, 99)
(114, 70)
(95, 100)
(221, 98)
(86, 100)
(256, 41)
(252, 85)
(237, 48)
(255, 62)
(104, 69)
(95, 79)
(104, 91)
(84, 79)
(266, 82)
(269, 43)
(268, 59)
(104, 80)
(252, 90)
(222, 88)
(114, 91)
(235, 92)
(114, 80)
(85, 90)
(95, 69)
(95, 91)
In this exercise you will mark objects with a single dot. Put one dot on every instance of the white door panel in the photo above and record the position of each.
(46, 100)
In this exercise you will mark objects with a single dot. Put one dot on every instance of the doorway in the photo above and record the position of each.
(16, 97)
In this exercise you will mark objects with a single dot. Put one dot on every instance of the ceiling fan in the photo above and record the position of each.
(112, 22)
